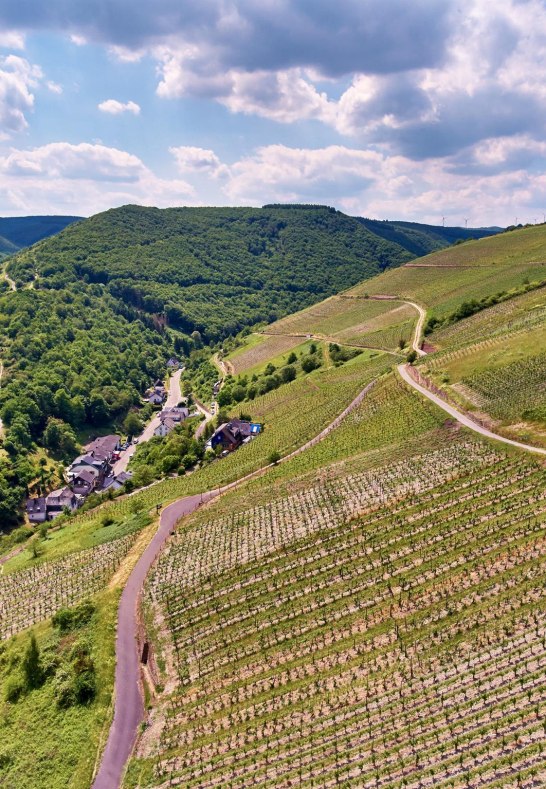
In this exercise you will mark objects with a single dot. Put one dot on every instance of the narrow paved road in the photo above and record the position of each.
(463, 418)
(128, 701)
(129, 706)
(208, 416)
(173, 398)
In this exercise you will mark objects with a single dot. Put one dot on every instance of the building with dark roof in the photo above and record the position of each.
(36, 509)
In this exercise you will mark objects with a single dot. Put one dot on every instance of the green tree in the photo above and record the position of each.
(31, 665)
(98, 412)
(60, 437)
(132, 424)
(288, 373)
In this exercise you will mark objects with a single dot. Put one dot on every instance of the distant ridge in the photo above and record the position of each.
(18, 232)
(420, 239)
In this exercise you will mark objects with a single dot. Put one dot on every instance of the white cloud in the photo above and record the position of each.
(378, 185)
(54, 87)
(11, 39)
(197, 160)
(284, 96)
(83, 179)
(114, 107)
(18, 78)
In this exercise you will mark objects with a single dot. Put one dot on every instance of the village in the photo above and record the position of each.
(102, 466)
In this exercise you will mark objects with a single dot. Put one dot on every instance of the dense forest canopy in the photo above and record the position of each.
(421, 239)
(212, 270)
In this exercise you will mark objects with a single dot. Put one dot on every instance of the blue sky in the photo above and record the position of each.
(383, 108)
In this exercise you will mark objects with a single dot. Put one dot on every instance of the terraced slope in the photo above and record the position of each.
(473, 270)
(493, 363)
(360, 323)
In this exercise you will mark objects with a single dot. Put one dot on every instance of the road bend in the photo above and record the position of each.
(464, 419)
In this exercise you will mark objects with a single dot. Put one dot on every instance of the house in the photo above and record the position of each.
(94, 461)
(58, 500)
(177, 414)
(121, 479)
(84, 482)
(36, 510)
(231, 435)
(165, 426)
(156, 398)
(173, 363)
(243, 426)
(106, 446)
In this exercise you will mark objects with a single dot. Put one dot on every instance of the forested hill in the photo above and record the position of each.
(99, 307)
(22, 231)
(7, 247)
(213, 270)
(89, 325)
(419, 239)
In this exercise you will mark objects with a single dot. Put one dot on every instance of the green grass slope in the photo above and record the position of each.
(444, 280)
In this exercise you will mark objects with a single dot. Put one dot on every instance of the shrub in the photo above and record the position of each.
(31, 665)
(68, 619)
(13, 688)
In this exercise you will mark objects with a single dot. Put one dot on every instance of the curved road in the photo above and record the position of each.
(128, 704)
(418, 334)
(463, 418)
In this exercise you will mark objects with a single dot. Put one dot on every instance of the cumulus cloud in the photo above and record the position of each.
(197, 160)
(83, 179)
(375, 184)
(350, 35)
(114, 107)
(280, 173)
(17, 79)
(11, 40)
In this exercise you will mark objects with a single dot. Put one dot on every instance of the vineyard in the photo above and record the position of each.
(519, 314)
(370, 612)
(513, 390)
(443, 289)
(383, 630)
(391, 337)
(34, 595)
(330, 317)
(260, 349)
(361, 322)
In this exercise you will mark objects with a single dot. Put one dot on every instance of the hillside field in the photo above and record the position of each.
(367, 613)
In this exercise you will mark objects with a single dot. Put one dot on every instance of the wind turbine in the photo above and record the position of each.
(466, 222)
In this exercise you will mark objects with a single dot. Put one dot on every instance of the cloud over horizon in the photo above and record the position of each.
(452, 91)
